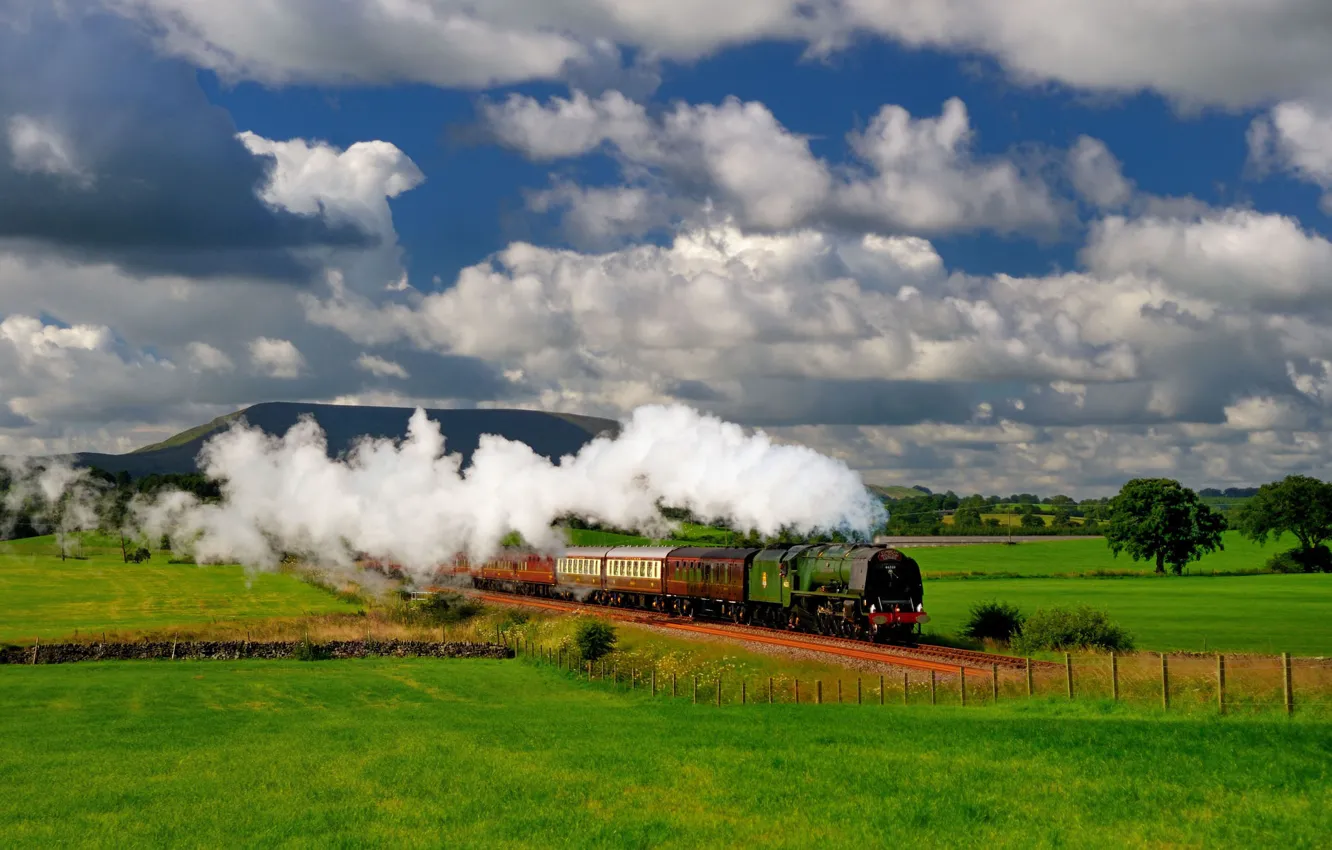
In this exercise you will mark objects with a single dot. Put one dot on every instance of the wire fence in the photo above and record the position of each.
(1185, 683)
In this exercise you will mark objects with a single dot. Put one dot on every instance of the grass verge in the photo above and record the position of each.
(504, 754)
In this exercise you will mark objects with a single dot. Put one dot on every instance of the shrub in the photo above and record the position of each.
(1077, 628)
(308, 650)
(442, 609)
(1315, 560)
(993, 621)
(595, 639)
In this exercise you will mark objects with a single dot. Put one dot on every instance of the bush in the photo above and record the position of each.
(1078, 628)
(442, 609)
(993, 621)
(1315, 560)
(595, 639)
(308, 650)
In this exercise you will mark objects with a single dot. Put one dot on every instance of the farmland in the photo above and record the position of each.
(1269, 614)
(513, 753)
(1235, 612)
(1080, 557)
(263, 753)
(46, 597)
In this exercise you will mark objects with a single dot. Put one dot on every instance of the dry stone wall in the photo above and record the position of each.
(65, 653)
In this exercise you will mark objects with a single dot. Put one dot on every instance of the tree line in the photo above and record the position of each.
(975, 514)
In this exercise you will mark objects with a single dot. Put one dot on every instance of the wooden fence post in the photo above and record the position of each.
(696, 690)
(719, 689)
(1068, 673)
(1221, 683)
(36, 647)
(859, 697)
(880, 690)
(673, 693)
(1165, 683)
(818, 685)
(797, 692)
(769, 690)
(1030, 690)
(1286, 681)
(589, 671)
(654, 681)
(962, 683)
(742, 692)
(839, 690)
(932, 700)
(1114, 676)
(994, 681)
(906, 686)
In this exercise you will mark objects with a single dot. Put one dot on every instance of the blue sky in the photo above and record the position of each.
(471, 204)
(989, 246)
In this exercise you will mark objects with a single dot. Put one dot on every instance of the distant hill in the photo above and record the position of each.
(552, 435)
(895, 493)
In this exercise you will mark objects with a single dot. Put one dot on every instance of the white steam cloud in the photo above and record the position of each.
(52, 493)
(410, 503)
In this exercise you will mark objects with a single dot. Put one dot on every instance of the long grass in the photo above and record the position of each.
(502, 754)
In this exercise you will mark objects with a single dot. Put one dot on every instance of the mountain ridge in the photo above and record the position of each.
(551, 435)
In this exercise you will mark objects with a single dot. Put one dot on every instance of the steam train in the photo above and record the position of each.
(855, 591)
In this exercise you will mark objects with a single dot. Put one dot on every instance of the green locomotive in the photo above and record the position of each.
(847, 590)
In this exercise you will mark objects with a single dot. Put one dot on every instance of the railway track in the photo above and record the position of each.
(923, 657)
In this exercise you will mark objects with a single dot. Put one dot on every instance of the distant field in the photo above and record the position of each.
(1055, 556)
(41, 596)
(498, 754)
(1268, 613)
(1006, 520)
(896, 492)
(689, 534)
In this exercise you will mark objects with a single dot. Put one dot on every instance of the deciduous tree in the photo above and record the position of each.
(1298, 505)
(1158, 519)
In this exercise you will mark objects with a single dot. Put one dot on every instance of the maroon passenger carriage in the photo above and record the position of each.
(624, 576)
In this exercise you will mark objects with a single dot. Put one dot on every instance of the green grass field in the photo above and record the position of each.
(46, 597)
(1268, 613)
(1058, 557)
(505, 754)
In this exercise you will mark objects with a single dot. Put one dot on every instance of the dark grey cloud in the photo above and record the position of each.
(110, 153)
(841, 402)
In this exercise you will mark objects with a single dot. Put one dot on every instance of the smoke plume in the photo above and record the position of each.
(411, 503)
(55, 495)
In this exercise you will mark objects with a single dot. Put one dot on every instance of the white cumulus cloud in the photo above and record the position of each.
(380, 367)
(918, 175)
(277, 358)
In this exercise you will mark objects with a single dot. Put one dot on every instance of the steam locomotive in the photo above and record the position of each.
(855, 591)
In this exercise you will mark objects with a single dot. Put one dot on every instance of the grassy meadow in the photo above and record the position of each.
(508, 754)
(1214, 607)
(46, 597)
(1265, 614)
(1055, 557)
